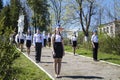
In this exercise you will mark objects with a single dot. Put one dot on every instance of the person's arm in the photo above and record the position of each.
(92, 41)
(34, 39)
(16, 38)
(63, 47)
(42, 40)
(52, 44)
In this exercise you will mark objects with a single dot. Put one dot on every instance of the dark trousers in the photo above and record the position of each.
(38, 47)
(45, 41)
(95, 51)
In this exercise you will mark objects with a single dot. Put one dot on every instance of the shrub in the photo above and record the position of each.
(8, 53)
(109, 44)
(67, 41)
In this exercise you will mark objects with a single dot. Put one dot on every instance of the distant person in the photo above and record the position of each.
(58, 51)
(21, 40)
(12, 38)
(49, 39)
(74, 43)
(94, 40)
(28, 41)
(17, 39)
(45, 39)
(38, 43)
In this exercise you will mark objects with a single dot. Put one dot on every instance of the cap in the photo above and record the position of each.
(94, 31)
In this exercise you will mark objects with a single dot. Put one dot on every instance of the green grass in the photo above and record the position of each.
(24, 69)
(101, 56)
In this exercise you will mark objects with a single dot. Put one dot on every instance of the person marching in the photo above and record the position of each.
(38, 43)
(49, 40)
(45, 39)
(58, 51)
(94, 40)
(28, 41)
(21, 40)
(17, 39)
(74, 43)
(12, 38)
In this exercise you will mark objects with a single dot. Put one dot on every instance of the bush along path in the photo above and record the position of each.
(76, 67)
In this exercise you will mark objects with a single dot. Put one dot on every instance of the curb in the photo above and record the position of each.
(91, 58)
(37, 65)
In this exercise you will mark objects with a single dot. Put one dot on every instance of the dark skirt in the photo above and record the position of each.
(45, 42)
(28, 43)
(18, 40)
(74, 43)
(21, 41)
(58, 48)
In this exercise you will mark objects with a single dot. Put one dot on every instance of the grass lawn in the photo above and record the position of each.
(101, 56)
(24, 69)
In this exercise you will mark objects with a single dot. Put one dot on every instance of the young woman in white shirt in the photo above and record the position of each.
(49, 39)
(38, 44)
(58, 51)
(74, 43)
(94, 40)
(17, 39)
(21, 40)
(28, 41)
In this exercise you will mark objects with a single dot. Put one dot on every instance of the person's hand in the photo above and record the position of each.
(93, 46)
(53, 53)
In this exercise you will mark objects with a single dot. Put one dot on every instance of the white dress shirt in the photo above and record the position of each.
(94, 38)
(38, 38)
(22, 36)
(58, 38)
(44, 36)
(74, 38)
(29, 37)
(16, 38)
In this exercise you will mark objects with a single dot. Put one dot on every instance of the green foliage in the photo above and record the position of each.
(101, 55)
(41, 14)
(8, 52)
(82, 43)
(25, 20)
(1, 5)
(24, 69)
(67, 41)
(6, 13)
(109, 44)
(11, 14)
(14, 13)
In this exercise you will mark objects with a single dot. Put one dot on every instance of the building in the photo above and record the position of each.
(112, 28)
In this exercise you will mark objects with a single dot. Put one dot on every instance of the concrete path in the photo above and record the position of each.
(77, 67)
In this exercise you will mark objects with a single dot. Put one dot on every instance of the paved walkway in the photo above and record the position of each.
(77, 67)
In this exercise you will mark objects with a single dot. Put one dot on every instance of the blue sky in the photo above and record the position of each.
(6, 2)
(107, 4)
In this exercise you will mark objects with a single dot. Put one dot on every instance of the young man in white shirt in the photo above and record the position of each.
(38, 43)
(94, 40)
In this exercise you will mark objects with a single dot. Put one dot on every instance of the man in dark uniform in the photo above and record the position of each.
(38, 43)
(94, 40)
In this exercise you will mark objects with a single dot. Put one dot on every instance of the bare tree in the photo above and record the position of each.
(86, 11)
(56, 6)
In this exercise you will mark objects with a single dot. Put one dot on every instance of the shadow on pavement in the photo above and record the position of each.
(50, 62)
(84, 77)
(46, 62)
(45, 56)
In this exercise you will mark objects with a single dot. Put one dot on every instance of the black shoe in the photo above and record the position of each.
(37, 61)
(96, 60)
